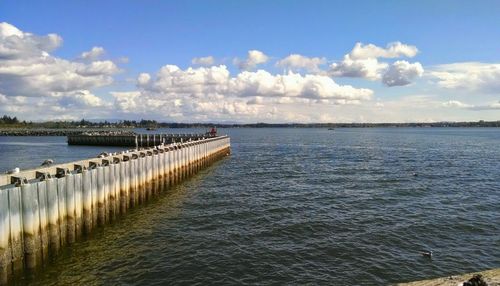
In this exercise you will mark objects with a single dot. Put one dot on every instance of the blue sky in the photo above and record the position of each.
(452, 42)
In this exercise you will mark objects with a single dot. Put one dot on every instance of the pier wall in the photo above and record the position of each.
(45, 209)
(131, 140)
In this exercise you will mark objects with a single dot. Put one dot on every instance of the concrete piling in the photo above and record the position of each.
(133, 181)
(106, 172)
(61, 198)
(43, 218)
(93, 188)
(78, 177)
(117, 186)
(53, 215)
(149, 174)
(44, 209)
(87, 201)
(16, 235)
(70, 209)
(31, 223)
(141, 177)
(100, 196)
(123, 187)
(5, 255)
(111, 193)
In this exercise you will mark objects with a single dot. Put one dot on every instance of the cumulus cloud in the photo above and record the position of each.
(363, 62)
(203, 61)
(80, 99)
(263, 83)
(16, 44)
(143, 79)
(459, 104)
(296, 61)
(34, 82)
(402, 73)
(253, 59)
(94, 54)
(126, 101)
(456, 104)
(255, 100)
(470, 76)
(216, 80)
(28, 69)
(73, 105)
(369, 68)
(97, 68)
(491, 106)
(392, 50)
(211, 93)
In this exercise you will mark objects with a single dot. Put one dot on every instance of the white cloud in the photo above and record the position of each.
(363, 62)
(296, 61)
(98, 68)
(369, 68)
(203, 61)
(456, 104)
(253, 59)
(15, 44)
(28, 69)
(469, 76)
(255, 100)
(3, 99)
(212, 93)
(459, 104)
(491, 106)
(392, 50)
(263, 83)
(402, 73)
(216, 81)
(126, 101)
(94, 54)
(34, 84)
(81, 98)
(143, 79)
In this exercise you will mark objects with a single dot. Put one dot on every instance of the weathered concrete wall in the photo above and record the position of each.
(131, 140)
(42, 210)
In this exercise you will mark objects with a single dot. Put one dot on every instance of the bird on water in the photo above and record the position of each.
(427, 253)
(47, 162)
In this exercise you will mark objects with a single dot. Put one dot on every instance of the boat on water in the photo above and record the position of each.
(151, 128)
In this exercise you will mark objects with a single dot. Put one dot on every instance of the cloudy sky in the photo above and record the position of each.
(251, 61)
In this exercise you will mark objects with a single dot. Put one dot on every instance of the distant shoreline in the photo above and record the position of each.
(9, 123)
(36, 129)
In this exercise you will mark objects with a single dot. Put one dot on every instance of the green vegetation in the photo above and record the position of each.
(13, 122)
(7, 120)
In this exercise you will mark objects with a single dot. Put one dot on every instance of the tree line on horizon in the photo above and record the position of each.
(14, 122)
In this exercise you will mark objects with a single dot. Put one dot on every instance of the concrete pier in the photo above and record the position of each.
(44, 209)
(131, 140)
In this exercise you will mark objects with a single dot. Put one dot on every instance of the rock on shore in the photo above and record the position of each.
(492, 277)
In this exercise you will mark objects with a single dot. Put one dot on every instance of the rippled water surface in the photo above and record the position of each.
(297, 206)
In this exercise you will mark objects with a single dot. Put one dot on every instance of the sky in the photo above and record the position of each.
(251, 61)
